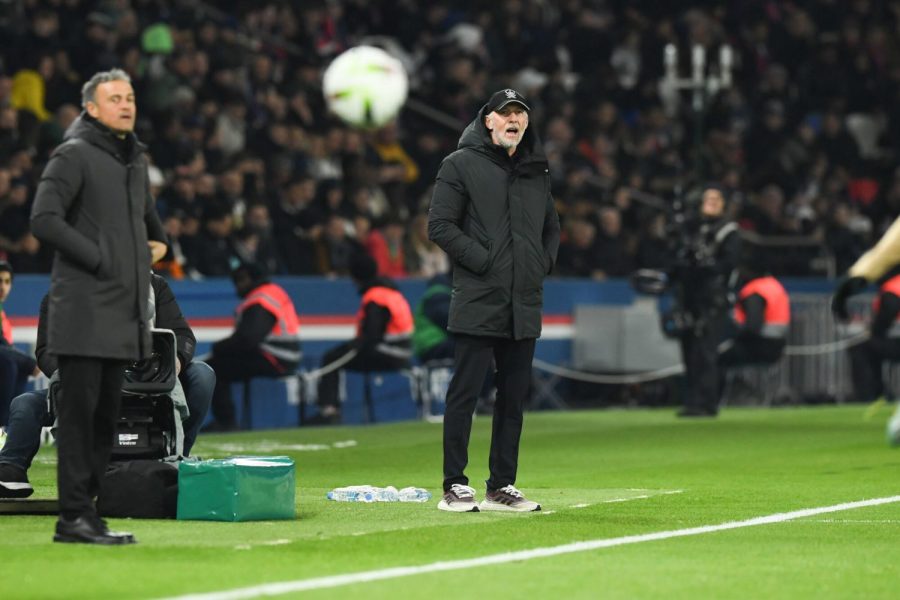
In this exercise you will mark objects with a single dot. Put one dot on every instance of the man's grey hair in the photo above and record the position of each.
(89, 90)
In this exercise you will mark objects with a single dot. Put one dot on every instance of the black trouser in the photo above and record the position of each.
(236, 367)
(755, 350)
(15, 367)
(700, 354)
(474, 357)
(865, 366)
(86, 411)
(365, 360)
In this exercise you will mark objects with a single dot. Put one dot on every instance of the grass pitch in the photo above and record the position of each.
(599, 475)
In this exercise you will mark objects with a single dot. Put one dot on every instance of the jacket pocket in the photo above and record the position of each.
(106, 270)
(477, 258)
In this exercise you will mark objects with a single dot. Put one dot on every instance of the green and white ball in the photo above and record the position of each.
(365, 87)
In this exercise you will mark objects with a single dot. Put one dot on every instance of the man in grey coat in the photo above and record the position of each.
(93, 205)
(492, 212)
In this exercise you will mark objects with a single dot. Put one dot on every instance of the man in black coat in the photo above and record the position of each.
(93, 205)
(493, 214)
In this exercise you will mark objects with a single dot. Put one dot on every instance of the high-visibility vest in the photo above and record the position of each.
(283, 342)
(398, 334)
(891, 286)
(7, 327)
(777, 316)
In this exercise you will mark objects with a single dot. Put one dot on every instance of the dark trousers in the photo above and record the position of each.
(474, 357)
(752, 351)
(236, 367)
(365, 360)
(866, 360)
(90, 395)
(15, 367)
(29, 413)
(198, 381)
(700, 354)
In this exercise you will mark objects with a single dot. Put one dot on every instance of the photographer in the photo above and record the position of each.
(702, 277)
(30, 412)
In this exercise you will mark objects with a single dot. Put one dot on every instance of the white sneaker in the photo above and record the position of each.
(459, 498)
(508, 499)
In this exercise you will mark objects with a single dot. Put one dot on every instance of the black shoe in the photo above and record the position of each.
(89, 530)
(696, 411)
(14, 482)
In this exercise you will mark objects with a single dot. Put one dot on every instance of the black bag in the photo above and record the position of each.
(141, 489)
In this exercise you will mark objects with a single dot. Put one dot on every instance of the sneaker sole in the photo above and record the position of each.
(14, 489)
(457, 507)
(488, 506)
(71, 539)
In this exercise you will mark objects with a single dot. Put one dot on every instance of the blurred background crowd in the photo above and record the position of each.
(247, 161)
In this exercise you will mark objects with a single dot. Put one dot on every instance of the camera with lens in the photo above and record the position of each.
(692, 241)
(148, 425)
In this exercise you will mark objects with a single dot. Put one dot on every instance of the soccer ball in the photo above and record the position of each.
(365, 86)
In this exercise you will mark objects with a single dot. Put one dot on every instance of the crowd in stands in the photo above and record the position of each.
(247, 160)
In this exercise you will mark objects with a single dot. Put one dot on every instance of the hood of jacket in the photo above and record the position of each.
(529, 153)
(92, 131)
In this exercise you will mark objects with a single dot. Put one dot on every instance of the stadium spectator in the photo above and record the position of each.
(15, 365)
(578, 253)
(425, 258)
(809, 110)
(387, 245)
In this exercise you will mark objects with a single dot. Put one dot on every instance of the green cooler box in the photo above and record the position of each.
(243, 488)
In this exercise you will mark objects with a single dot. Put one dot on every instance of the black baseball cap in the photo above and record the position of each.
(504, 97)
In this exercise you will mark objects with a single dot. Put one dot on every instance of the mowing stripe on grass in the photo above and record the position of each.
(318, 583)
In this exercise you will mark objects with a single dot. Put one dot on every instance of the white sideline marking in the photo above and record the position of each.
(333, 581)
(892, 521)
(629, 498)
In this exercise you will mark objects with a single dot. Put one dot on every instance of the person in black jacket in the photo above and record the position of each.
(704, 277)
(383, 341)
(93, 205)
(29, 412)
(265, 341)
(493, 214)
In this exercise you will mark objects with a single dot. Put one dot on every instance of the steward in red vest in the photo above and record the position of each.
(265, 342)
(762, 315)
(383, 342)
(866, 359)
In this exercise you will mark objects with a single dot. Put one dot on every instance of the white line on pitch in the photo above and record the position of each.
(629, 498)
(333, 581)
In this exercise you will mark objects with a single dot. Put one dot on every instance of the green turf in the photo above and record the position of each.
(590, 471)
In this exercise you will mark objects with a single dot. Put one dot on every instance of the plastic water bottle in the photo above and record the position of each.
(414, 494)
(388, 494)
(343, 495)
(364, 493)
